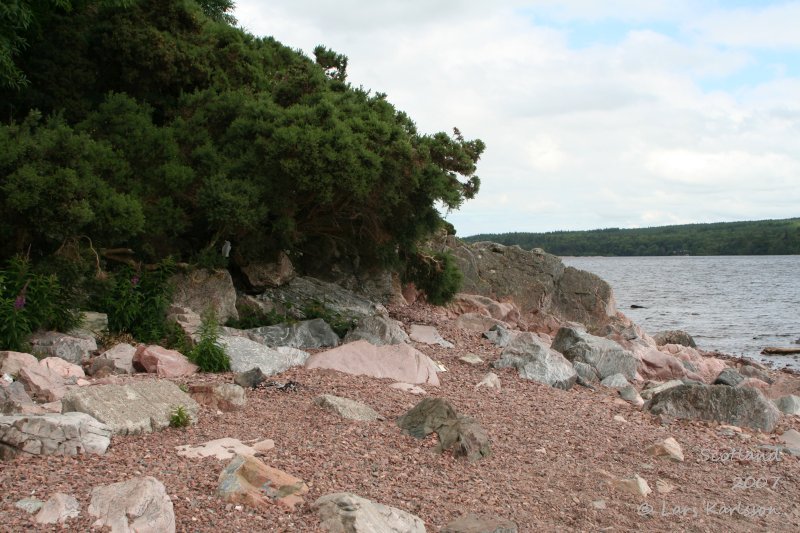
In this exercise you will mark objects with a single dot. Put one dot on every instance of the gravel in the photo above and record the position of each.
(554, 453)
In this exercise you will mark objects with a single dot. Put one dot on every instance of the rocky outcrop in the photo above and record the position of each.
(460, 433)
(246, 355)
(304, 335)
(54, 434)
(604, 355)
(139, 407)
(347, 408)
(378, 330)
(534, 360)
(546, 292)
(400, 362)
(248, 481)
(475, 304)
(201, 288)
(140, 504)
(304, 292)
(345, 512)
(720, 403)
(224, 397)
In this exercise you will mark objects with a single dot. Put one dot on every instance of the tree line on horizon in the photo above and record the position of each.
(762, 237)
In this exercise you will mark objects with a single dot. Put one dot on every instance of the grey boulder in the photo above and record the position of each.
(729, 405)
(345, 512)
(460, 433)
(729, 377)
(789, 405)
(67, 347)
(347, 408)
(140, 504)
(378, 330)
(246, 354)
(604, 355)
(615, 381)
(308, 334)
(55, 434)
(535, 361)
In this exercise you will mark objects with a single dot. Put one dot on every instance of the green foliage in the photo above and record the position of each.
(138, 301)
(436, 274)
(29, 301)
(763, 237)
(176, 339)
(170, 129)
(338, 322)
(180, 417)
(254, 317)
(209, 354)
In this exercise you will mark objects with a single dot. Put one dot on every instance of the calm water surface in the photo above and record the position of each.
(734, 304)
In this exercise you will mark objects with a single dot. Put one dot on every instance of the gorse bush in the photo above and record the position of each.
(209, 354)
(30, 301)
(137, 302)
(437, 274)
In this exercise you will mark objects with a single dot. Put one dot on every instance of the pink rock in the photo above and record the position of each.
(478, 322)
(248, 481)
(707, 367)
(472, 303)
(165, 363)
(657, 365)
(754, 383)
(13, 362)
(42, 383)
(400, 362)
(63, 368)
(221, 396)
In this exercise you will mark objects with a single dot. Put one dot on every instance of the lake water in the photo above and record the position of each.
(735, 304)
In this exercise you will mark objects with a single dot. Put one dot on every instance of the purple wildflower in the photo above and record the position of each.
(19, 303)
(135, 280)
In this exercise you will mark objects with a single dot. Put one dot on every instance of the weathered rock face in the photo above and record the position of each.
(378, 330)
(63, 368)
(305, 335)
(536, 361)
(720, 403)
(604, 355)
(347, 408)
(729, 377)
(460, 433)
(14, 399)
(260, 275)
(400, 362)
(42, 383)
(345, 512)
(304, 291)
(506, 312)
(477, 322)
(545, 290)
(789, 405)
(67, 347)
(140, 407)
(428, 335)
(202, 288)
(163, 362)
(707, 368)
(246, 355)
(499, 336)
(58, 509)
(248, 481)
(53, 434)
(138, 505)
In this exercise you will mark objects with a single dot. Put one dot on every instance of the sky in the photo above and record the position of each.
(595, 113)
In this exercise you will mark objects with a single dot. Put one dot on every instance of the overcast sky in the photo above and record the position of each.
(595, 113)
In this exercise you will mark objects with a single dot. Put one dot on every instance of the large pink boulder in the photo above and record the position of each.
(248, 481)
(707, 367)
(12, 362)
(63, 368)
(165, 363)
(399, 362)
(660, 366)
(42, 383)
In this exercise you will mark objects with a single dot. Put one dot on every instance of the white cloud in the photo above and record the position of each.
(771, 26)
(611, 135)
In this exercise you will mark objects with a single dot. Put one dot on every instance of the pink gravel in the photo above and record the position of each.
(550, 449)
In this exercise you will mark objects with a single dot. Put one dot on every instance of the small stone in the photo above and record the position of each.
(599, 504)
(668, 447)
(471, 359)
(58, 509)
(408, 387)
(250, 379)
(29, 505)
(347, 408)
(615, 381)
(791, 439)
(631, 395)
(490, 381)
(620, 418)
(264, 445)
(635, 485)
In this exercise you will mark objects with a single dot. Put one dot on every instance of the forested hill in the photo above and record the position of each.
(762, 237)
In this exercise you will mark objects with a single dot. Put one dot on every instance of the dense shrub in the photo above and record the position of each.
(436, 274)
(138, 300)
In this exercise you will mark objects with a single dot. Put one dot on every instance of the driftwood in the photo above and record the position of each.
(772, 350)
